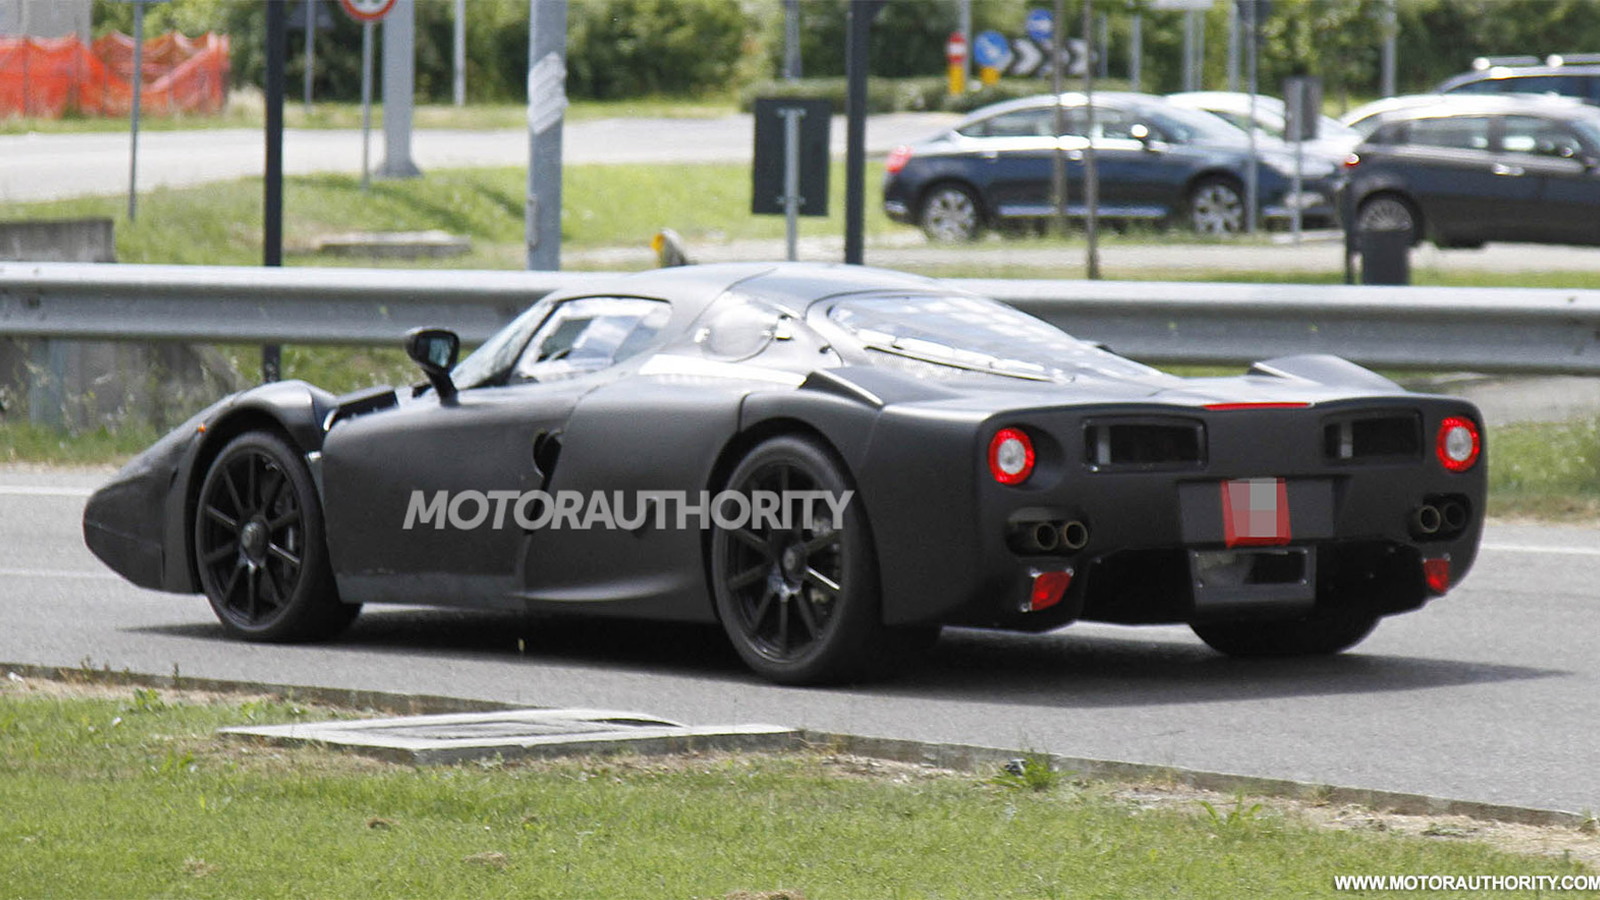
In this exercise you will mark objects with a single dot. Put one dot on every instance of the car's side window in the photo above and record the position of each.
(1455, 132)
(588, 335)
(1020, 123)
(1540, 137)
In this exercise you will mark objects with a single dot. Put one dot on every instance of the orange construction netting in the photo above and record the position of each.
(46, 77)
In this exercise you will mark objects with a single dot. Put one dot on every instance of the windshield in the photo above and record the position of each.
(973, 334)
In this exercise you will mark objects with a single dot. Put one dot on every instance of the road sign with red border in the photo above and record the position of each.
(367, 10)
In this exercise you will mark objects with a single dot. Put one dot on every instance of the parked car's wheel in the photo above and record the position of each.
(1387, 212)
(1324, 631)
(950, 214)
(1216, 206)
(259, 545)
(799, 602)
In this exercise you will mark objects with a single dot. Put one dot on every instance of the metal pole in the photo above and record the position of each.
(964, 20)
(1295, 218)
(311, 42)
(1252, 179)
(791, 177)
(461, 53)
(399, 82)
(1136, 52)
(859, 30)
(1058, 159)
(791, 40)
(1091, 170)
(1188, 51)
(1391, 29)
(547, 104)
(366, 105)
(1233, 45)
(138, 92)
(272, 199)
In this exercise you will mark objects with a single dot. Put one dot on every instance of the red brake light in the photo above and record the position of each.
(898, 157)
(1010, 456)
(1436, 572)
(1268, 405)
(1047, 589)
(1353, 160)
(1458, 443)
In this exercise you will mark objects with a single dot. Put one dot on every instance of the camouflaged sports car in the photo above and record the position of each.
(639, 447)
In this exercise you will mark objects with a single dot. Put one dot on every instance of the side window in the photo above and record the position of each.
(1455, 132)
(1114, 124)
(588, 335)
(1540, 137)
(1020, 123)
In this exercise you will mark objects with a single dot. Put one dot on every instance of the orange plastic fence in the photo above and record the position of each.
(46, 77)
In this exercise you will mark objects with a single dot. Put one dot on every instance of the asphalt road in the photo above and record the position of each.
(54, 166)
(1491, 694)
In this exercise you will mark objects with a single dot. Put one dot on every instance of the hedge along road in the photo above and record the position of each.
(1489, 694)
(58, 166)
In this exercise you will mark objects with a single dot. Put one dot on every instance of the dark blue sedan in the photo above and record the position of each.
(1157, 162)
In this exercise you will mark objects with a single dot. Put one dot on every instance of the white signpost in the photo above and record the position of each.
(368, 13)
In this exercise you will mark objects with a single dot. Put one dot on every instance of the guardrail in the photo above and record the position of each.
(1481, 329)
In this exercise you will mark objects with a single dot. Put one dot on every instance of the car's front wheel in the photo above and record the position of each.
(950, 214)
(1325, 631)
(1387, 212)
(1216, 206)
(260, 547)
(797, 591)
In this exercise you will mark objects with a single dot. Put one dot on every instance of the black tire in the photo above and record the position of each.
(1215, 205)
(260, 548)
(800, 604)
(1325, 631)
(950, 214)
(1389, 212)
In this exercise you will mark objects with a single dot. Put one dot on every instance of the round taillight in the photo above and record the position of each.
(897, 159)
(1459, 444)
(1010, 456)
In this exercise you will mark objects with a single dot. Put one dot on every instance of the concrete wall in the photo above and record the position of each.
(81, 385)
(46, 18)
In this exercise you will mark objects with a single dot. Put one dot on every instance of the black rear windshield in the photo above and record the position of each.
(975, 334)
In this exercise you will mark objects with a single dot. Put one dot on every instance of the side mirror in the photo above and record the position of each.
(1141, 133)
(434, 350)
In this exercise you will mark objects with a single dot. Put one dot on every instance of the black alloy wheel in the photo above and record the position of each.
(259, 545)
(799, 599)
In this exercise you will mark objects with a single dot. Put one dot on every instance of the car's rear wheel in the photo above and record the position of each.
(1387, 212)
(950, 214)
(1324, 631)
(798, 598)
(260, 547)
(1216, 206)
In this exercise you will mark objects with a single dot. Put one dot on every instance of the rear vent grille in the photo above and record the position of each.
(1144, 444)
(1369, 438)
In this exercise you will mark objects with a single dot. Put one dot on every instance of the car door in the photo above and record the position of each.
(1555, 157)
(1451, 166)
(1012, 159)
(1137, 177)
(423, 500)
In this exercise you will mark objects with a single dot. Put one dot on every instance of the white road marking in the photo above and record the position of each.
(40, 490)
(56, 573)
(1534, 548)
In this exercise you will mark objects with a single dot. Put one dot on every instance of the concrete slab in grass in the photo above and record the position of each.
(459, 737)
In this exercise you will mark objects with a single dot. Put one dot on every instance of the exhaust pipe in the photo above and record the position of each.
(1035, 537)
(1426, 519)
(1453, 515)
(1074, 535)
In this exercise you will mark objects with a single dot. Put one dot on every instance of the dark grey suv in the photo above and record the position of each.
(1462, 174)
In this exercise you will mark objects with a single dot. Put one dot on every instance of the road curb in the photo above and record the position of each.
(958, 757)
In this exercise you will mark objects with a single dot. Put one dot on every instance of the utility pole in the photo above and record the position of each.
(1391, 29)
(399, 83)
(1058, 159)
(857, 58)
(1091, 171)
(272, 199)
(547, 105)
(460, 85)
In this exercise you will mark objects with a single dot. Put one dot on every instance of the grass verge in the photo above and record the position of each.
(128, 793)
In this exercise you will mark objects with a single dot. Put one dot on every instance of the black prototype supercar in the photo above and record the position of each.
(989, 471)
